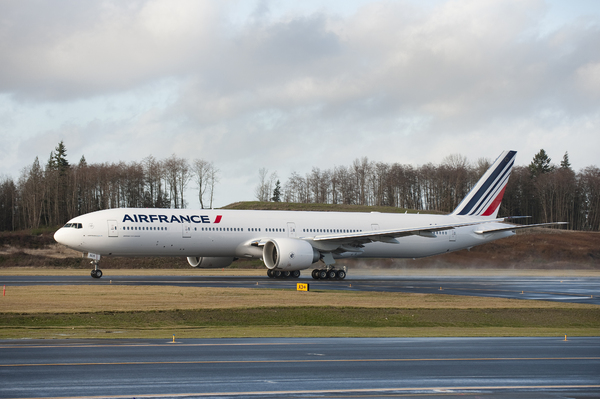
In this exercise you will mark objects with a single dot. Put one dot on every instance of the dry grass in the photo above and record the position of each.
(288, 332)
(71, 299)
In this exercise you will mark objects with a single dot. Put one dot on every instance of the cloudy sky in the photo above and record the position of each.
(289, 85)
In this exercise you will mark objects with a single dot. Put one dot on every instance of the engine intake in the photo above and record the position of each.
(208, 263)
(289, 254)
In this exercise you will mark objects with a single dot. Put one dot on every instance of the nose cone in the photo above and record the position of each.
(59, 236)
(69, 237)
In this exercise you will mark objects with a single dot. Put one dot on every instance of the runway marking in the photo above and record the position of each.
(298, 361)
(338, 391)
(169, 343)
(497, 290)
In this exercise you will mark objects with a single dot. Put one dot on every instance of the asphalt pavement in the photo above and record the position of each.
(309, 367)
(560, 289)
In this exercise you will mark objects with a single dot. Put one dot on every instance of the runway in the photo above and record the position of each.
(561, 289)
(311, 367)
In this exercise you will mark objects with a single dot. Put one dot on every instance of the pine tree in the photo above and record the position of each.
(565, 164)
(277, 192)
(540, 164)
(60, 157)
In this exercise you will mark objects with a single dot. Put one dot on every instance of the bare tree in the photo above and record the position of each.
(177, 173)
(213, 177)
(262, 191)
(201, 171)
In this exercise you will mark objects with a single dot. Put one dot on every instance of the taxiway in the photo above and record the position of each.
(561, 289)
(310, 367)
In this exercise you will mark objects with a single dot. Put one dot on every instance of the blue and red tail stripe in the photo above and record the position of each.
(485, 198)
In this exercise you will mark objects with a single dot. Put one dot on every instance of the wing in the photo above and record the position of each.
(354, 242)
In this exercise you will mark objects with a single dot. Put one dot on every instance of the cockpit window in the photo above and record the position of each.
(74, 225)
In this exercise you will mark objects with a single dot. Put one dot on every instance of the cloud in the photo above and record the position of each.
(395, 81)
(96, 48)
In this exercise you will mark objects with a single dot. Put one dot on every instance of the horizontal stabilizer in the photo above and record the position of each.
(518, 227)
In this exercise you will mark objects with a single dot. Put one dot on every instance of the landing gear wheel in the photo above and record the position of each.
(315, 274)
(276, 273)
(285, 274)
(96, 273)
(331, 274)
(296, 274)
(322, 274)
(270, 273)
(341, 274)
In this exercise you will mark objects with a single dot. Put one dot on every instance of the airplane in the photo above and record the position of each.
(290, 241)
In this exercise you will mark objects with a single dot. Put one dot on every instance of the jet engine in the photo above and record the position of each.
(208, 263)
(289, 254)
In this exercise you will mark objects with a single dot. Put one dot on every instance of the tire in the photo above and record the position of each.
(322, 274)
(270, 273)
(285, 274)
(315, 274)
(296, 274)
(331, 274)
(98, 273)
(341, 274)
(276, 273)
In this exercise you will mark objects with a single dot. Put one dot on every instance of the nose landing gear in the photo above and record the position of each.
(96, 272)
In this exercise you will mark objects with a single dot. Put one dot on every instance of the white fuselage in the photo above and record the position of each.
(229, 233)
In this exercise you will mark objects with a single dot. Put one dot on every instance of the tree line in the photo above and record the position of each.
(542, 190)
(52, 194)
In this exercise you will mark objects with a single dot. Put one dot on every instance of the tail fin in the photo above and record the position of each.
(485, 198)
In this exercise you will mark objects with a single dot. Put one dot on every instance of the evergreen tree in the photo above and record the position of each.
(565, 164)
(540, 164)
(60, 157)
(277, 192)
(51, 164)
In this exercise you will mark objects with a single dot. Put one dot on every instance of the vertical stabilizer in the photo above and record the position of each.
(485, 198)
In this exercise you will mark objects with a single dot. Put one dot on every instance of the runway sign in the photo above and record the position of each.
(302, 287)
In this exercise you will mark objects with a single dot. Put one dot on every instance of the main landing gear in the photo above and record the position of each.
(283, 274)
(330, 274)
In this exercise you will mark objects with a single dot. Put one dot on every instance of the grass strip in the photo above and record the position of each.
(312, 316)
(118, 298)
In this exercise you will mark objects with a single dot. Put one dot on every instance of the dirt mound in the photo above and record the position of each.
(529, 249)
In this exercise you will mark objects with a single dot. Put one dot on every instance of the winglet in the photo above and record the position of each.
(485, 198)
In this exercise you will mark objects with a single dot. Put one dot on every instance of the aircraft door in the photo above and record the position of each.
(113, 228)
(187, 230)
(452, 235)
(291, 230)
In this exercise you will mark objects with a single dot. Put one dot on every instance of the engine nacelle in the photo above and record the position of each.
(207, 263)
(289, 254)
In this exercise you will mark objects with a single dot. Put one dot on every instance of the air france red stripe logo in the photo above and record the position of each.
(218, 219)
